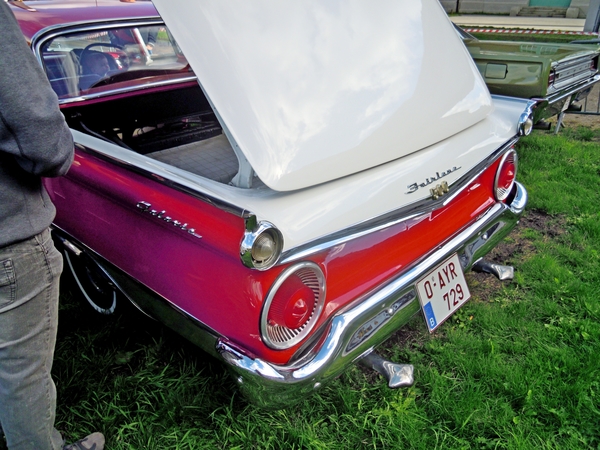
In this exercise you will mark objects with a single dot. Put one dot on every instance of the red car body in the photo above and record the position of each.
(189, 253)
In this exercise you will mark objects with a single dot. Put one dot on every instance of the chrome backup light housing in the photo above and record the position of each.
(525, 124)
(280, 337)
(502, 193)
(262, 237)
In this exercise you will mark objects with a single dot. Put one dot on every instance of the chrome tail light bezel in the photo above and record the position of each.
(279, 337)
(252, 236)
(502, 193)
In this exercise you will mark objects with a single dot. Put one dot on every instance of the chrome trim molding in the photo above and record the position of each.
(412, 211)
(554, 98)
(525, 124)
(504, 195)
(345, 340)
(153, 170)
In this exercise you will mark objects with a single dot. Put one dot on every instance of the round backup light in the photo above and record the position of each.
(525, 124)
(261, 247)
(506, 175)
(293, 306)
(264, 248)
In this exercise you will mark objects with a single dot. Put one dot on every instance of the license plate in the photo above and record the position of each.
(442, 292)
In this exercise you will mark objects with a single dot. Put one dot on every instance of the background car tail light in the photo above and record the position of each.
(551, 78)
(506, 175)
(293, 306)
(594, 64)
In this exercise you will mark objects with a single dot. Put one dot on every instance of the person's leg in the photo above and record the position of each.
(29, 283)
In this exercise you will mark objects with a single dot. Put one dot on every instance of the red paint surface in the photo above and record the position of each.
(97, 200)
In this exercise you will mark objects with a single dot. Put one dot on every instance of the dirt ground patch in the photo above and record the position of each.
(517, 247)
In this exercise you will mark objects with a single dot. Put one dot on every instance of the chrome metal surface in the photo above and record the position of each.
(397, 375)
(525, 124)
(563, 95)
(253, 232)
(281, 385)
(504, 193)
(501, 272)
(158, 172)
(571, 70)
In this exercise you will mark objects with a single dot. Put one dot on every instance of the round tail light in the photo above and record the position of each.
(293, 306)
(506, 175)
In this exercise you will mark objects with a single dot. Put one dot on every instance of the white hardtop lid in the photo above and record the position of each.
(316, 90)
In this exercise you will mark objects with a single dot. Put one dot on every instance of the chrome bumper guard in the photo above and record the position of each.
(557, 99)
(356, 331)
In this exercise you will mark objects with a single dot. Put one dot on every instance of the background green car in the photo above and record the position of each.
(556, 75)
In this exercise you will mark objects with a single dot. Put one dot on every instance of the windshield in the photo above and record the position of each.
(102, 60)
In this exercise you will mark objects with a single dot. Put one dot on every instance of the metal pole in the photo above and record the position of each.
(592, 19)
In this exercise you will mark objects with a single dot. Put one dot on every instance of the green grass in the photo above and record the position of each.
(517, 368)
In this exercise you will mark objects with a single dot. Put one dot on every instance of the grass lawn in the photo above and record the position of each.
(517, 368)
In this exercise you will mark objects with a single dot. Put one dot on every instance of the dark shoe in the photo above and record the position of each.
(94, 441)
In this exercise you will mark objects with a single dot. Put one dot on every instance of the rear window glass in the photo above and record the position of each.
(102, 60)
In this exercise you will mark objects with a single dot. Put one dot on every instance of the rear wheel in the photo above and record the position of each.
(93, 282)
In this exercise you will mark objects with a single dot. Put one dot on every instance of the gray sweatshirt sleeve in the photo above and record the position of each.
(32, 128)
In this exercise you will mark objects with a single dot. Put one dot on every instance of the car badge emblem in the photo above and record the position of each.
(147, 208)
(439, 189)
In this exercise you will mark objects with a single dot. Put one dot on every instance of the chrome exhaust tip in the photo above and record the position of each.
(397, 375)
(501, 272)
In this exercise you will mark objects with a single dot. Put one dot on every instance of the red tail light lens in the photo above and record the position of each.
(506, 175)
(293, 306)
(551, 78)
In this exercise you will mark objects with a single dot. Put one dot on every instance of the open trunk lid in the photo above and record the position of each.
(312, 91)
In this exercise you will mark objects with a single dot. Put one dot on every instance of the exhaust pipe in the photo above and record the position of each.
(397, 375)
(501, 272)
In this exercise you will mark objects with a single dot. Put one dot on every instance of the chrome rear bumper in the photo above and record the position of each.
(355, 332)
(554, 103)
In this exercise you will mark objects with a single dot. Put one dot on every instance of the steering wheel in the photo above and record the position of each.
(121, 52)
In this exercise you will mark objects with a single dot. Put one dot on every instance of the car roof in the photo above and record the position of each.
(35, 15)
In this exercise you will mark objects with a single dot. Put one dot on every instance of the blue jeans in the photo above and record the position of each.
(29, 281)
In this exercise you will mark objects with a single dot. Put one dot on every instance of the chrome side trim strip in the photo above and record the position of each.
(344, 343)
(152, 170)
(394, 217)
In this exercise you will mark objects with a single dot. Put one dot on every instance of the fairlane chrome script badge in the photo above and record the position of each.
(415, 186)
(146, 207)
